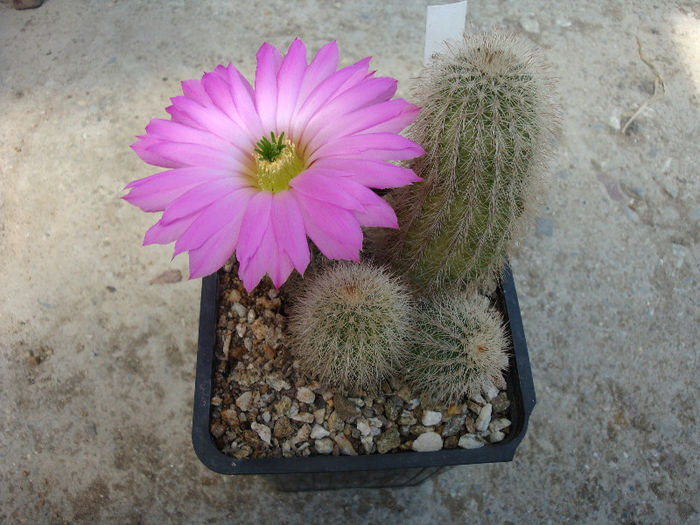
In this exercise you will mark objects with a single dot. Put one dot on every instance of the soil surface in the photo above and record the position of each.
(97, 365)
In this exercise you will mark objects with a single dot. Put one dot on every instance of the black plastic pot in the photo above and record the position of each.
(374, 470)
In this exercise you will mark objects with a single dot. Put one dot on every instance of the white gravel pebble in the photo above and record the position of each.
(495, 437)
(428, 442)
(251, 316)
(263, 431)
(499, 424)
(364, 427)
(240, 330)
(277, 383)
(323, 446)
(482, 422)
(305, 395)
(303, 417)
(243, 401)
(239, 309)
(431, 418)
(491, 391)
(318, 432)
(367, 443)
(469, 441)
(344, 445)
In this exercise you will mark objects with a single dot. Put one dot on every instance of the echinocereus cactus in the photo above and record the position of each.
(485, 124)
(255, 170)
(348, 326)
(457, 347)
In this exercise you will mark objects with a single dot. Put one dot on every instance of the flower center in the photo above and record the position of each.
(276, 163)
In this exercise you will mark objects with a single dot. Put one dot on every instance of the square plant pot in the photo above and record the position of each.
(369, 470)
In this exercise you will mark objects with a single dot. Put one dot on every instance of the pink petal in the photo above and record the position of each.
(370, 173)
(161, 233)
(198, 155)
(193, 89)
(243, 98)
(373, 146)
(262, 261)
(334, 230)
(155, 192)
(169, 131)
(359, 74)
(269, 61)
(255, 223)
(322, 66)
(366, 93)
(288, 227)
(226, 212)
(318, 97)
(319, 184)
(375, 210)
(197, 198)
(289, 81)
(141, 147)
(214, 253)
(391, 117)
(218, 90)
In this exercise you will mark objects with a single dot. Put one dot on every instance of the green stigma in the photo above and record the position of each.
(269, 150)
(276, 163)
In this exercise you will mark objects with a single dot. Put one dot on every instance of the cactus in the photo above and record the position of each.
(486, 124)
(348, 325)
(458, 346)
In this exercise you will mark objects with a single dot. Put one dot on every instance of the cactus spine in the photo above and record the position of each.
(348, 326)
(485, 124)
(458, 347)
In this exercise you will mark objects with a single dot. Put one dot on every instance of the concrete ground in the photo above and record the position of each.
(97, 366)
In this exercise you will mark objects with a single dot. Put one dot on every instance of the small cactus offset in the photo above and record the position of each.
(348, 326)
(458, 347)
(486, 124)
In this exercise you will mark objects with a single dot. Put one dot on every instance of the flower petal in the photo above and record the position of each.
(198, 197)
(255, 223)
(288, 226)
(289, 81)
(214, 253)
(142, 149)
(227, 212)
(370, 173)
(161, 233)
(269, 61)
(319, 184)
(198, 155)
(334, 230)
(155, 192)
(373, 146)
(321, 67)
(169, 131)
(243, 97)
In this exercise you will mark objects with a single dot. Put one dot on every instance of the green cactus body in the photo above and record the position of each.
(348, 326)
(485, 125)
(458, 346)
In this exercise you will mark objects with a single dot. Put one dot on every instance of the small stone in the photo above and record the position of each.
(283, 427)
(305, 395)
(346, 410)
(615, 119)
(234, 296)
(242, 452)
(239, 309)
(375, 422)
(363, 427)
(404, 393)
(499, 424)
(244, 401)
(544, 226)
(413, 403)
(367, 444)
(217, 430)
(230, 417)
(240, 330)
(500, 382)
(320, 415)
(671, 188)
(469, 441)
(335, 423)
(263, 431)
(266, 416)
(358, 401)
(482, 422)
(431, 418)
(474, 407)
(407, 418)
(451, 442)
(323, 446)
(428, 442)
(490, 391)
(454, 425)
(388, 440)
(283, 406)
(344, 444)
(501, 403)
(495, 437)
(318, 432)
(478, 399)
(303, 417)
(294, 410)
(251, 316)
(529, 24)
(277, 382)
(393, 408)
(302, 435)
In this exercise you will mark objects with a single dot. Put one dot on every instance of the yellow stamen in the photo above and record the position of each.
(275, 175)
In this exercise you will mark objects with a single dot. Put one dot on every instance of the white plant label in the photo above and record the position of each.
(443, 23)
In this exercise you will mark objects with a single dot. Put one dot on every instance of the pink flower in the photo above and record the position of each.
(257, 170)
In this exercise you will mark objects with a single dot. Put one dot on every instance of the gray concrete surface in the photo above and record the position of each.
(99, 430)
